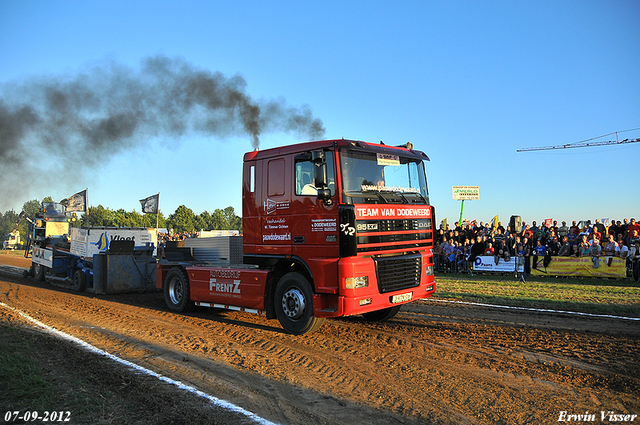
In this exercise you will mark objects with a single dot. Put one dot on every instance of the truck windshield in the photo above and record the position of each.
(53, 209)
(369, 177)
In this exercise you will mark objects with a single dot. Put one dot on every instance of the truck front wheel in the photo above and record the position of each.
(176, 291)
(293, 302)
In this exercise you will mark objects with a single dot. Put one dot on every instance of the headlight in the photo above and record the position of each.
(429, 270)
(356, 282)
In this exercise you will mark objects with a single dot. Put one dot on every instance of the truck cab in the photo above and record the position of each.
(331, 228)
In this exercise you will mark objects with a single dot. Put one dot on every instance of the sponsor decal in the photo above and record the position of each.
(395, 189)
(347, 230)
(388, 159)
(276, 229)
(276, 223)
(42, 256)
(364, 227)
(224, 274)
(324, 224)
(391, 212)
(271, 206)
(103, 242)
(276, 237)
(216, 287)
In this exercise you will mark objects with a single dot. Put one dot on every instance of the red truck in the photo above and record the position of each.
(330, 228)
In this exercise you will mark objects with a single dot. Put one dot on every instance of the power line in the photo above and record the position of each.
(586, 143)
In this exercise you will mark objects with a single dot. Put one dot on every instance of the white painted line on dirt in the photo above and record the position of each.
(216, 401)
(577, 313)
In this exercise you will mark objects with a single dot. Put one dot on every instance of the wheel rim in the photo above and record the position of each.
(175, 290)
(293, 303)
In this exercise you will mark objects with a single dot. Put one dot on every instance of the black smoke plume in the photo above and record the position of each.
(64, 123)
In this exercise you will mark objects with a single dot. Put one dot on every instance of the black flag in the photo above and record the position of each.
(77, 202)
(150, 204)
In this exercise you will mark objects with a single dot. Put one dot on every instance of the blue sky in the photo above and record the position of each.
(468, 83)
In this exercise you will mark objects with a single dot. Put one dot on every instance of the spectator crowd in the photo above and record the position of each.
(456, 249)
(178, 236)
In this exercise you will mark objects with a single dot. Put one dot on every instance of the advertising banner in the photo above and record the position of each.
(488, 263)
(461, 193)
(581, 266)
(86, 243)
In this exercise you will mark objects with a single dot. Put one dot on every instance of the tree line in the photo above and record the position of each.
(183, 219)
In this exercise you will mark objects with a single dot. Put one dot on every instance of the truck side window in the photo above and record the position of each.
(304, 179)
(252, 179)
(305, 172)
(276, 177)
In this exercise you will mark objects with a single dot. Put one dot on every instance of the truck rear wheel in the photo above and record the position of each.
(38, 272)
(79, 281)
(381, 315)
(177, 291)
(293, 302)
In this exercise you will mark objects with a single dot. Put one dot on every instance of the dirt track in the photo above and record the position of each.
(433, 363)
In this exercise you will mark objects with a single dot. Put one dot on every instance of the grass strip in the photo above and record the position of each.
(597, 296)
(23, 378)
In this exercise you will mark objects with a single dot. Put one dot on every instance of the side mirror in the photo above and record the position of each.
(320, 177)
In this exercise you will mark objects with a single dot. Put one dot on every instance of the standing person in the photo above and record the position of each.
(634, 257)
(610, 246)
(554, 227)
(526, 243)
(575, 229)
(489, 250)
(450, 253)
(553, 247)
(623, 227)
(539, 252)
(585, 247)
(595, 231)
(623, 250)
(565, 249)
(477, 249)
(501, 250)
(612, 229)
(633, 237)
(462, 255)
(438, 256)
(596, 251)
(520, 251)
(600, 228)
(631, 228)
(563, 230)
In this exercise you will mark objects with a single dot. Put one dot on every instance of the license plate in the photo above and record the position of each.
(401, 298)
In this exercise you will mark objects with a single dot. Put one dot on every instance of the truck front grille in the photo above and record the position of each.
(396, 273)
(381, 235)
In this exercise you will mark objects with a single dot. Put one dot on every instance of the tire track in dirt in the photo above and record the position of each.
(173, 340)
(430, 364)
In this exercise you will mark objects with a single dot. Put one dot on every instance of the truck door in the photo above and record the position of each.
(276, 219)
(315, 222)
